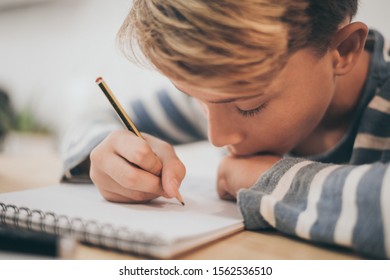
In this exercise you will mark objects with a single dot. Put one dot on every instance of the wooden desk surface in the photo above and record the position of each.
(32, 162)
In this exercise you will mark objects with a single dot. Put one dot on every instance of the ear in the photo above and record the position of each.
(347, 45)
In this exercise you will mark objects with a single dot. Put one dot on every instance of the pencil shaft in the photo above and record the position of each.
(119, 110)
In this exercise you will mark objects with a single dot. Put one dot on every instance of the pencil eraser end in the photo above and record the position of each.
(99, 80)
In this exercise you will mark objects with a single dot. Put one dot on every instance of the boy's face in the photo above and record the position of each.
(275, 119)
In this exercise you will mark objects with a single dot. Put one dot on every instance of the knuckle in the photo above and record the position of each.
(112, 137)
(142, 152)
(93, 175)
(115, 138)
(166, 146)
(162, 145)
(115, 135)
(95, 155)
(128, 179)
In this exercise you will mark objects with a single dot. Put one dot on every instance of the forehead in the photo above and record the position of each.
(217, 97)
(299, 67)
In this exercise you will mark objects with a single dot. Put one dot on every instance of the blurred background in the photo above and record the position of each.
(51, 52)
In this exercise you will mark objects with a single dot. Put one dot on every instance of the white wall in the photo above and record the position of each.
(51, 53)
(376, 14)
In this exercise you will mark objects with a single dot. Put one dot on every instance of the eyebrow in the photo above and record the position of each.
(222, 101)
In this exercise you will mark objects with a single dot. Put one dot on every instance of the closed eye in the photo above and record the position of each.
(252, 112)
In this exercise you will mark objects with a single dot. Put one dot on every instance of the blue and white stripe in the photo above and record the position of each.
(167, 118)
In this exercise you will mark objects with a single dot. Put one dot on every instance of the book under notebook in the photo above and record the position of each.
(162, 228)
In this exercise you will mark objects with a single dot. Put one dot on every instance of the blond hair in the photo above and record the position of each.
(225, 45)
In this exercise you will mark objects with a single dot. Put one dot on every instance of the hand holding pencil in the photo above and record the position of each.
(129, 167)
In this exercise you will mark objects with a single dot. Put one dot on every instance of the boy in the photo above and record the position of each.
(292, 89)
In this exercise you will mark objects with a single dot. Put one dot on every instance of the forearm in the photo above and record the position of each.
(334, 204)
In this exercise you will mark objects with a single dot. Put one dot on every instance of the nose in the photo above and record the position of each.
(223, 130)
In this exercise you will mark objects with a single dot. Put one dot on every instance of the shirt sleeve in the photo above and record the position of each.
(168, 114)
(346, 205)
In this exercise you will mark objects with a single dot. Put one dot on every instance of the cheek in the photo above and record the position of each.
(274, 133)
(296, 111)
(304, 117)
(285, 127)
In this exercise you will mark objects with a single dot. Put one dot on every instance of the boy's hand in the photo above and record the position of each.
(235, 173)
(126, 168)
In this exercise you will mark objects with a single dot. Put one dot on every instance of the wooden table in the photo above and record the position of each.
(31, 161)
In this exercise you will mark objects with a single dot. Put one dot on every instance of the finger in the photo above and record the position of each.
(112, 191)
(136, 151)
(225, 188)
(114, 197)
(135, 198)
(129, 176)
(173, 171)
(223, 191)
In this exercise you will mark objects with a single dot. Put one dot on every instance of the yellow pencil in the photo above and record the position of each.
(123, 116)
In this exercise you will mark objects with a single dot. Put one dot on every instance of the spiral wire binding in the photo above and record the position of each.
(89, 232)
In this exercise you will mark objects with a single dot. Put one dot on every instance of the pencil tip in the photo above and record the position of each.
(182, 203)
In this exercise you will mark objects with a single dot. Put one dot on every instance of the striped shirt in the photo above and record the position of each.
(341, 197)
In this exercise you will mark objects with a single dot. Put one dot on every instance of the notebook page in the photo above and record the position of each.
(203, 213)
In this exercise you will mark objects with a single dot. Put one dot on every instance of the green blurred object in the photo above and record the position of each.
(23, 121)
(7, 115)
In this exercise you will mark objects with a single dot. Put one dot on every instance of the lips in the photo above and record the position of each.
(234, 151)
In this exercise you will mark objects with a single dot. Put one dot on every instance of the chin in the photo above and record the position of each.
(245, 152)
(242, 152)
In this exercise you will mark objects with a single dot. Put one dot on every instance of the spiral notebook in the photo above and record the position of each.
(162, 228)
